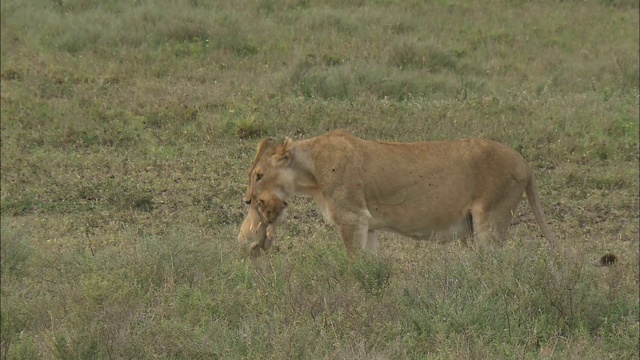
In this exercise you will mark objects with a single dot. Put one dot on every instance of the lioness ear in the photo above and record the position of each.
(263, 144)
(283, 152)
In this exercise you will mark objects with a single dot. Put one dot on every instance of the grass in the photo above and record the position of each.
(127, 129)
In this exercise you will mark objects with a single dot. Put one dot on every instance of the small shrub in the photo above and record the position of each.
(234, 38)
(248, 127)
(143, 202)
(411, 55)
(14, 250)
(334, 21)
(407, 55)
(196, 47)
(372, 273)
(156, 120)
(19, 204)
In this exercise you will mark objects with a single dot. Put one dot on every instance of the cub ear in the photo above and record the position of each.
(261, 202)
(283, 153)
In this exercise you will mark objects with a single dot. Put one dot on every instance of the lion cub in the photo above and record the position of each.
(258, 229)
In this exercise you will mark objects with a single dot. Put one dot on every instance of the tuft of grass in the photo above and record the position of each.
(344, 81)
(414, 55)
(372, 273)
(16, 251)
(248, 127)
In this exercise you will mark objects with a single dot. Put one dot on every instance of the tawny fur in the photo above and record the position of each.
(415, 189)
(258, 230)
(451, 188)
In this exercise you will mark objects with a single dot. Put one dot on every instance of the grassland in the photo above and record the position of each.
(127, 128)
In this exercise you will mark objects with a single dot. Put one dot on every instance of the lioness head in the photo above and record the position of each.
(268, 171)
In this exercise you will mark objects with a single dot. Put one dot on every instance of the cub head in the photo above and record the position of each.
(268, 171)
(270, 207)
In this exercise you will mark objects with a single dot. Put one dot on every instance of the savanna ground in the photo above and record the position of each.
(128, 128)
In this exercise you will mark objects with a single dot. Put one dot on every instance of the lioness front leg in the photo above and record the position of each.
(372, 242)
(354, 237)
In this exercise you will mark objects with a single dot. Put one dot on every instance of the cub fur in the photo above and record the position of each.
(258, 230)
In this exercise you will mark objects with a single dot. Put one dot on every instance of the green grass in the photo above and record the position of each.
(127, 129)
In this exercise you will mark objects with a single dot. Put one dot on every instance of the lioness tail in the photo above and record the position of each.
(534, 202)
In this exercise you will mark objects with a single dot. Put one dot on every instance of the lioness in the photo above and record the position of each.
(418, 189)
(258, 229)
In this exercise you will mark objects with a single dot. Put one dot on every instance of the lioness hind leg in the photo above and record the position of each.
(493, 224)
(489, 225)
(481, 226)
(500, 224)
(464, 236)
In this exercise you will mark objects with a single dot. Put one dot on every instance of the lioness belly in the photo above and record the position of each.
(419, 223)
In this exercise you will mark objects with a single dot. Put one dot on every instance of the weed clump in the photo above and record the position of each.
(372, 273)
(248, 127)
